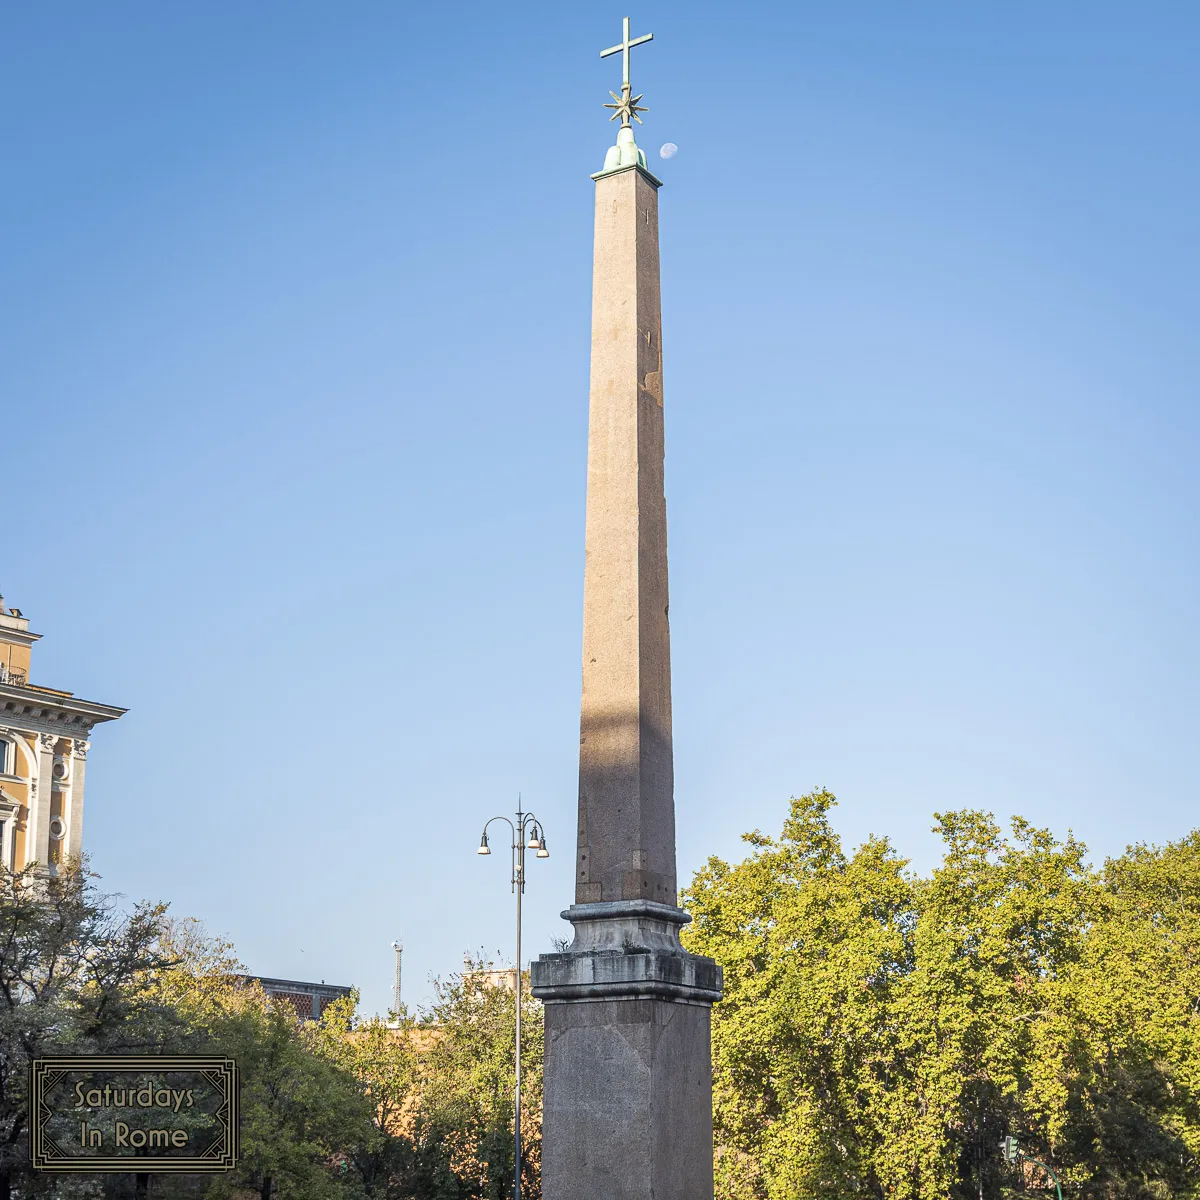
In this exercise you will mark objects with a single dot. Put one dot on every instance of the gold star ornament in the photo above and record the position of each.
(626, 107)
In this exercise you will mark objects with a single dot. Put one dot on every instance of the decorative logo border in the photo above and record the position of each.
(220, 1073)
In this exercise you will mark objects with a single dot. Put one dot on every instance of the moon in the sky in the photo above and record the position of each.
(668, 150)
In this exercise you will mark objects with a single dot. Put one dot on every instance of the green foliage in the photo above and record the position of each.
(440, 1091)
(881, 1033)
(1134, 1121)
(299, 1107)
(337, 1109)
(384, 1158)
(468, 1068)
(75, 978)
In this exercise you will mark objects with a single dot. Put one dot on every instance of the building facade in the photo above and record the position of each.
(308, 999)
(44, 740)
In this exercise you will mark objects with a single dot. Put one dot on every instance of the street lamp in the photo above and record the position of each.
(527, 834)
(1012, 1153)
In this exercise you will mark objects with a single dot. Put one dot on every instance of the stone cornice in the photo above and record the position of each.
(626, 950)
(18, 637)
(41, 713)
(634, 974)
(642, 171)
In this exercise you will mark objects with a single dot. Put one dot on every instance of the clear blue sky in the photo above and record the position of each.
(293, 367)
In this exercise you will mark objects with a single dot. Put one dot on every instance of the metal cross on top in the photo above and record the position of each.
(626, 105)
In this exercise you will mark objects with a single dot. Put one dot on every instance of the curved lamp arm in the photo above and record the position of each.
(537, 836)
(484, 848)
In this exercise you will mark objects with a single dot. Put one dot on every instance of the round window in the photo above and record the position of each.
(57, 829)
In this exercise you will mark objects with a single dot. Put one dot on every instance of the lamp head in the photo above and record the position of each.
(542, 852)
(484, 848)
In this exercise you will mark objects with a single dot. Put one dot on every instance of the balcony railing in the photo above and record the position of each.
(15, 678)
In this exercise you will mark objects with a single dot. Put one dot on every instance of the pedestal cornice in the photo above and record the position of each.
(626, 950)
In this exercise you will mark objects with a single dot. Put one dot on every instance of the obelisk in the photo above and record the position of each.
(627, 1100)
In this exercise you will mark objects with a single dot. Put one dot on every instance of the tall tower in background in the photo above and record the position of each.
(44, 736)
(627, 1108)
(398, 947)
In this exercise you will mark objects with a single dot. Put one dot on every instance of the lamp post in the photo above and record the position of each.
(527, 834)
(1012, 1153)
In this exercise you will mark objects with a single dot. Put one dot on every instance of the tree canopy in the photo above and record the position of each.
(345, 1109)
(881, 1032)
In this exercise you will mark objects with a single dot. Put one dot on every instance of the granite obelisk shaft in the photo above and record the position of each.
(626, 776)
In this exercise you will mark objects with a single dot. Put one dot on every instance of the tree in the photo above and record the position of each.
(813, 945)
(988, 1026)
(1132, 1126)
(335, 1108)
(299, 1107)
(76, 977)
(440, 1089)
(394, 1157)
(881, 1032)
(467, 1073)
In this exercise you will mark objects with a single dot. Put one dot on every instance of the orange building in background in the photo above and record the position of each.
(43, 755)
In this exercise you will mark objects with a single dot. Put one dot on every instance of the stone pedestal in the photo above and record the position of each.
(627, 1110)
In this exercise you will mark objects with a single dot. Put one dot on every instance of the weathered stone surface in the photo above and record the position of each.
(626, 950)
(627, 1110)
(626, 775)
